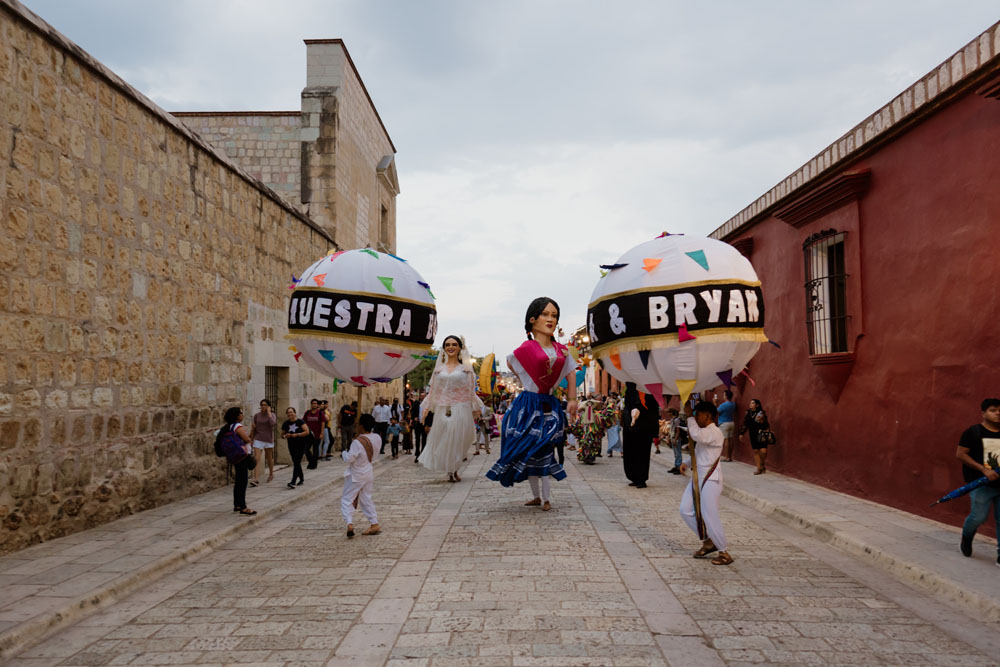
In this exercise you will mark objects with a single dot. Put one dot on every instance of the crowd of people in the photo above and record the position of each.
(439, 426)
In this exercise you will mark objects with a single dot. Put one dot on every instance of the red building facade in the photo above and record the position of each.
(880, 262)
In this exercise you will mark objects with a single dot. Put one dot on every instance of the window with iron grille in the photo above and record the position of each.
(826, 292)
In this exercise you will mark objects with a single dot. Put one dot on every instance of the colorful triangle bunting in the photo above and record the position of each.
(683, 335)
(684, 388)
(616, 361)
(699, 256)
(727, 377)
(360, 356)
(644, 358)
(327, 354)
(359, 379)
(387, 283)
(319, 279)
(656, 389)
(651, 263)
(394, 355)
(370, 252)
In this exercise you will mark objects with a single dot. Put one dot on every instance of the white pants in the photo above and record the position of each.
(710, 494)
(362, 490)
(546, 485)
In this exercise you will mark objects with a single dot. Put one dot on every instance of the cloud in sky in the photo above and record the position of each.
(539, 139)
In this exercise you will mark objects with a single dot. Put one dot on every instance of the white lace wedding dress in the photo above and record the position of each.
(452, 398)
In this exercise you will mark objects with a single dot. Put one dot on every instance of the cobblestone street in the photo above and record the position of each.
(464, 574)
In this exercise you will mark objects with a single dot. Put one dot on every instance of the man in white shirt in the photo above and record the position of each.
(382, 413)
(706, 439)
(359, 477)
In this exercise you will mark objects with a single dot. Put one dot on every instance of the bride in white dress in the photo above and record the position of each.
(453, 400)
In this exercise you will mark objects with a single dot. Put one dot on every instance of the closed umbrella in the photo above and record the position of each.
(962, 490)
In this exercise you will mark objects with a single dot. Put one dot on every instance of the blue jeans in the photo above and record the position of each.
(678, 457)
(983, 499)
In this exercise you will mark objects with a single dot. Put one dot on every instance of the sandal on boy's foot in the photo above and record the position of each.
(705, 550)
(722, 559)
(759, 471)
(533, 503)
(253, 482)
(247, 511)
(546, 507)
(350, 530)
(373, 529)
(457, 478)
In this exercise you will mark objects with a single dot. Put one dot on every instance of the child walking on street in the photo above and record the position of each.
(393, 432)
(700, 506)
(359, 478)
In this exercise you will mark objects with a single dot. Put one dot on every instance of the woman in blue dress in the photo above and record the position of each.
(535, 422)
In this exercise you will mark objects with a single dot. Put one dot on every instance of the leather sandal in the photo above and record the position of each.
(546, 507)
(248, 512)
(722, 559)
(373, 529)
(533, 503)
(704, 551)
(350, 530)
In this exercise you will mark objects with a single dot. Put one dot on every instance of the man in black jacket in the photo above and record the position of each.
(419, 428)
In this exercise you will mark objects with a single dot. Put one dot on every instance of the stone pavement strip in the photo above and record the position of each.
(464, 574)
(912, 548)
(58, 582)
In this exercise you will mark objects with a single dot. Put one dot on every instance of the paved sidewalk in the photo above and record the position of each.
(912, 548)
(462, 549)
(465, 574)
(56, 583)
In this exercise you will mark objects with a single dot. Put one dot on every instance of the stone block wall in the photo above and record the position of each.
(131, 256)
(344, 142)
(265, 144)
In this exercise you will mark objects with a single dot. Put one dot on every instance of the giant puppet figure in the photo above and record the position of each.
(676, 315)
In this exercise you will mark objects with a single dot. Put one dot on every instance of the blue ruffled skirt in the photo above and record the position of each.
(528, 436)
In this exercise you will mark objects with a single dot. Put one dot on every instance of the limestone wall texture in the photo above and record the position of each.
(335, 159)
(265, 144)
(143, 276)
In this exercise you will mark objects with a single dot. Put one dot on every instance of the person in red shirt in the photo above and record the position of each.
(314, 419)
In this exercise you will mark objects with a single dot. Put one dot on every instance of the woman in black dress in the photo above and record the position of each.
(754, 422)
(640, 423)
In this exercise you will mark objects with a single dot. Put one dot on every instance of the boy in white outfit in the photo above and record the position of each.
(706, 440)
(359, 478)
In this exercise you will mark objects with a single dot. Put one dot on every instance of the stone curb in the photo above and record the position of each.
(31, 631)
(978, 605)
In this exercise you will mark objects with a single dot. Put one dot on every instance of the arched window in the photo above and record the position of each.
(826, 292)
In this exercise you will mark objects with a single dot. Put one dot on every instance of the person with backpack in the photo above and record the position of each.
(359, 477)
(233, 442)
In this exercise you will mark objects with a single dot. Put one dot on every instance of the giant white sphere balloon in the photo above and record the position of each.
(677, 314)
(362, 316)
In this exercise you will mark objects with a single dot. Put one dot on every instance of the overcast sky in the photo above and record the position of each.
(539, 139)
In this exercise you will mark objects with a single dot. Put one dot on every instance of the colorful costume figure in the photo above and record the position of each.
(589, 431)
(535, 422)
(452, 399)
